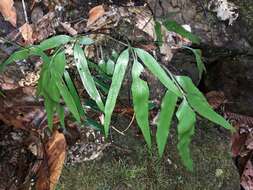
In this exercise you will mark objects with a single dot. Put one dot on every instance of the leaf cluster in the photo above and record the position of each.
(182, 97)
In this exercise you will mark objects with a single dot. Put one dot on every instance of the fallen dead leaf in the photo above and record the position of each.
(45, 27)
(237, 142)
(27, 33)
(94, 14)
(246, 179)
(8, 11)
(68, 28)
(216, 98)
(51, 168)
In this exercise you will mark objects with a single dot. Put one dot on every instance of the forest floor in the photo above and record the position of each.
(126, 164)
(121, 162)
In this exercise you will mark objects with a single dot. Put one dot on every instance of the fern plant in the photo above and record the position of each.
(55, 85)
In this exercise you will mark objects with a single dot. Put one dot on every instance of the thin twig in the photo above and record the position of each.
(122, 43)
(24, 9)
(118, 130)
(129, 125)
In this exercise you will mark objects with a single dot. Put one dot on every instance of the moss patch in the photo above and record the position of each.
(213, 168)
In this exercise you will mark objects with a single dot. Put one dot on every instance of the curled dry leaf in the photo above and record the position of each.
(27, 33)
(51, 168)
(95, 13)
(8, 11)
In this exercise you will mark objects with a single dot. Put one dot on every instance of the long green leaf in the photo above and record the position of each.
(187, 119)
(199, 103)
(204, 109)
(74, 93)
(41, 81)
(173, 26)
(164, 121)
(86, 77)
(110, 66)
(68, 99)
(101, 85)
(140, 93)
(60, 112)
(54, 41)
(52, 90)
(16, 56)
(44, 80)
(34, 50)
(49, 106)
(57, 65)
(93, 124)
(197, 53)
(91, 104)
(157, 70)
(117, 78)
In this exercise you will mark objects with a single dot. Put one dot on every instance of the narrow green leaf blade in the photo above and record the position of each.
(68, 99)
(140, 93)
(157, 70)
(49, 106)
(110, 67)
(117, 78)
(200, 64)
(54, 41)
(204, 109)
(93, 124)
(60, 112)
(51, 89)
(91, 104)
(16, 56)
(198, 56)
(74, 93)
(164, 121)
(187, 119)
(188, 86)
(58, 63)
(86, 77)
(199, 103)
(173, 26)
(35, 50)
(103, 86)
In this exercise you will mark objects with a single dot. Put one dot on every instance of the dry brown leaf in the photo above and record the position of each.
(237, 142)
(50, 171)
(246, 179)
(68, 28)
(8, 11)
(27, 33)
(95, 13)
(45, 27)
(216, 98)
(14, 110)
